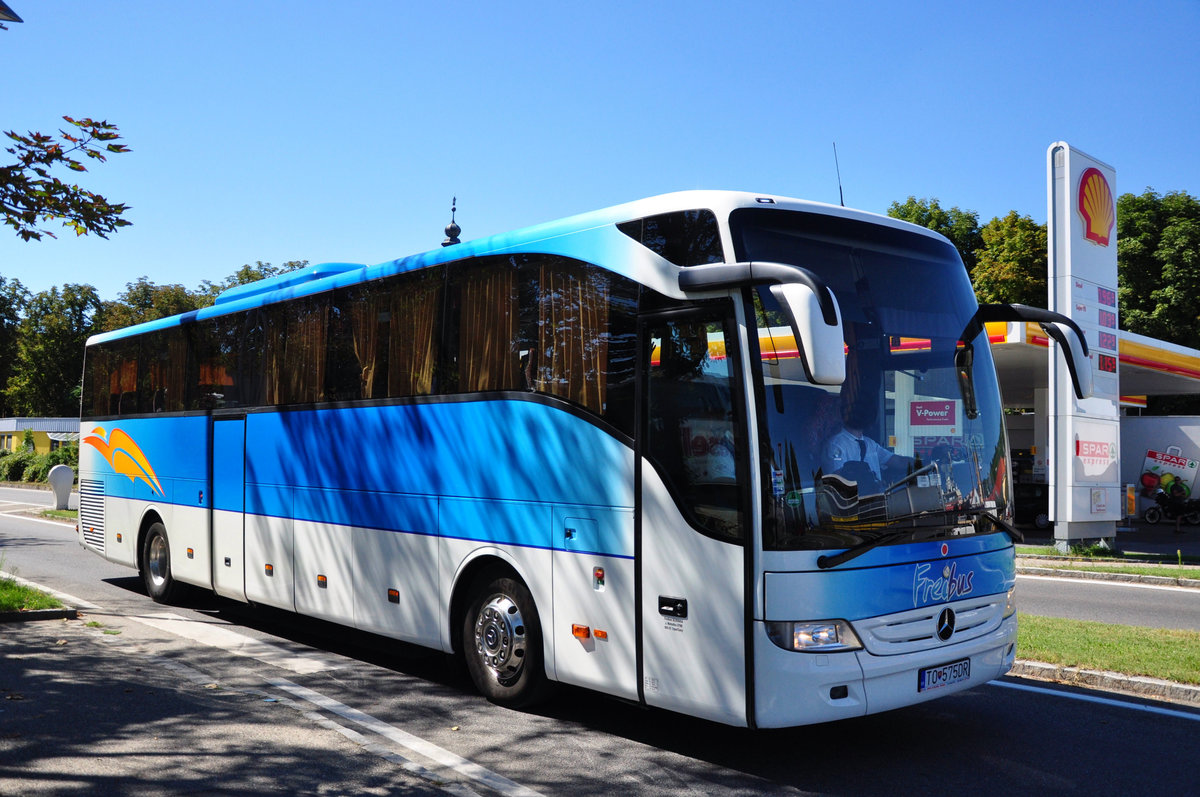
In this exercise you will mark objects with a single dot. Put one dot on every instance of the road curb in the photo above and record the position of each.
(66, 613)
(1138, 685)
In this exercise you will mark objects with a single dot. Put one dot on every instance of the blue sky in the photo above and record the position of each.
(280, 131)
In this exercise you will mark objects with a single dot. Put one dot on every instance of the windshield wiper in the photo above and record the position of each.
(826, 562)
(1012, 533)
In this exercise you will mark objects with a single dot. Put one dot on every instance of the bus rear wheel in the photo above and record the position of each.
(502, 642)
(156, 566)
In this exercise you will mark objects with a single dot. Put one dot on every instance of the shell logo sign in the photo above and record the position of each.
(1096, 206)
(125, 456)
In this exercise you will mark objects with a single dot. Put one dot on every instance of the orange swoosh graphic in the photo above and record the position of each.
(125, 456)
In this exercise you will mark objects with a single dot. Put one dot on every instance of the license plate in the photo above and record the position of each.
(943, 675)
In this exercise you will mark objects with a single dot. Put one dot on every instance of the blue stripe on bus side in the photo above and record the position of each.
(500, 522)
(505, 470)
(503, 449)
(174, 451)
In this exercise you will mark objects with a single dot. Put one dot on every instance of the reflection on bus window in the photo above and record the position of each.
(692, 431)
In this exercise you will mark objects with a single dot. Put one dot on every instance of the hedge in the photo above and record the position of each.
(26, 466)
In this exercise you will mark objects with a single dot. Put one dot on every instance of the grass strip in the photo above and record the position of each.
(1129, 569)
(1154, 652)
(16, 597)
(1101, 553)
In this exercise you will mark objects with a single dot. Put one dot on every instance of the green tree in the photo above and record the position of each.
(30, 195)
(144, 301)
(960, 226)
(1158, 276)
(1012, 264)
(13, 298)
(1158, 258)
(49, 361)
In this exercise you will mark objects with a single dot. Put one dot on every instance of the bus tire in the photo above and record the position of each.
(502, 642)
(156, 566)
(1152, 515)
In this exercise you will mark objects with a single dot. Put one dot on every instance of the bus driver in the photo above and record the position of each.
(851, 453)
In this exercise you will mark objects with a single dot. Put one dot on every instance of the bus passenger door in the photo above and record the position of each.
(692, 500)
(228, 506)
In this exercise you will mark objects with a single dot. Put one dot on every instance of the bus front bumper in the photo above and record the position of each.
(802, 688)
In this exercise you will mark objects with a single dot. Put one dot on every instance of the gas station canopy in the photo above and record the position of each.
(1148, 367)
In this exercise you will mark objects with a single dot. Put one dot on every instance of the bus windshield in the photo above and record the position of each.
(914, 438)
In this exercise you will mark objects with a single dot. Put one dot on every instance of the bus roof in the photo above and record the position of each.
(582, 236)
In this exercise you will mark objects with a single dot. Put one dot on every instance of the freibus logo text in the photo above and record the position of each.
(950, 585)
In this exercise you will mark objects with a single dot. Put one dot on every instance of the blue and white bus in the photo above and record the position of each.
(594, 452)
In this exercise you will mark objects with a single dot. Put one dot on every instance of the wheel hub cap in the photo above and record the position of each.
(158, 563)
(500, 637)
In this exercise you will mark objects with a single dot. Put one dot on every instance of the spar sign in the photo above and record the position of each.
(1095, 449)
(1161, 468)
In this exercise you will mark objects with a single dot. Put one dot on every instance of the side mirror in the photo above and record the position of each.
(812, 309)
(821, 345)
(1065, 332)
(1074, 351)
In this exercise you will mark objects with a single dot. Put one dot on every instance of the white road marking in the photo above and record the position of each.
(1104, 701)
(218, 636)
(408, 741)
(383, 752)
(305, 663)
(16, 515)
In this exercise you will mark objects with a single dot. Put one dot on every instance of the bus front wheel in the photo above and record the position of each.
(502, 642)
(156, 565)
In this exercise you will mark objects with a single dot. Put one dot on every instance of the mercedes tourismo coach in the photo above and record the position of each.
(608, 451)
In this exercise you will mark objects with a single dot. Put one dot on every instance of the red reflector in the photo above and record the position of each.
(393, 596)
(601, 634)
(580, 631)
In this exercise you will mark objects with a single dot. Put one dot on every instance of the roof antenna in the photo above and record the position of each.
(841, 196)
(452, 229)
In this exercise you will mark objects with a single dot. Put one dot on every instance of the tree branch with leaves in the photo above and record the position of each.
(32, 196)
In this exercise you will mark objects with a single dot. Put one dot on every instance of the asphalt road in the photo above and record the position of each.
(215, 697)
(1143, 605)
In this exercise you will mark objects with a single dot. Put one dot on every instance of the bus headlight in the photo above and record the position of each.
(821, 636)
(1010, 603)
